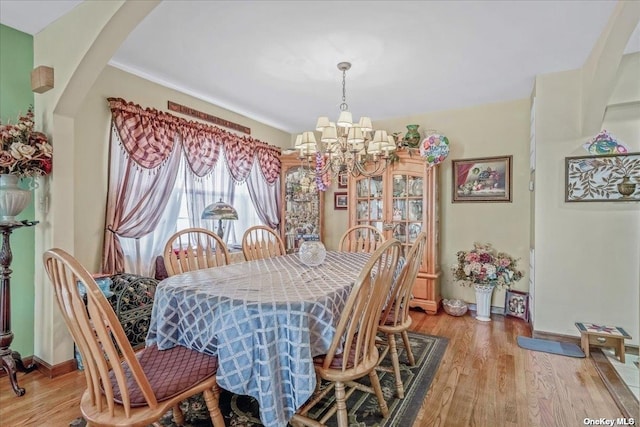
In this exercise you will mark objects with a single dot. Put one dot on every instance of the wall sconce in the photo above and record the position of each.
(42, 79)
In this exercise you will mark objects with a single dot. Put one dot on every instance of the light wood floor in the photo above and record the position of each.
(484, 379)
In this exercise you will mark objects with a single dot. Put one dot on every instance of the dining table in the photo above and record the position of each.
(264, 319)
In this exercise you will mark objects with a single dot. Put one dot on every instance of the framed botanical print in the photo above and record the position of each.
(486, 179)
(603, 178)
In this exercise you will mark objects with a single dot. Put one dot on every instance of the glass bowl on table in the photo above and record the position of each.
(312, 253)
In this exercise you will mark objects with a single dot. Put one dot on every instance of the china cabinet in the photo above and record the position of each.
(302, 204)
(401, 202)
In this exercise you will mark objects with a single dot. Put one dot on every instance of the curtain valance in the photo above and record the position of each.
(148, 136)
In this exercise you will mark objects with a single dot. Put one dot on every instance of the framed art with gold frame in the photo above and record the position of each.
(485, 179)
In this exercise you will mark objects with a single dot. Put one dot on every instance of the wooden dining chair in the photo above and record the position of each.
(356, 332)
(260, 242)
(194, 249)
(395, 317)
(125, 388)
(361, 238)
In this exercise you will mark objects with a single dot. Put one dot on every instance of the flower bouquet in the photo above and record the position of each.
(24, 152)
(483, 265)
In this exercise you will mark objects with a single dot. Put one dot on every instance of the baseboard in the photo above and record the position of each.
(494, 309)
(56, 370)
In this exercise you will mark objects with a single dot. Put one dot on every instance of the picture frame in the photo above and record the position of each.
(516, 304)
(482, 179)
(340, 200)
(603, 178)
(343, 180)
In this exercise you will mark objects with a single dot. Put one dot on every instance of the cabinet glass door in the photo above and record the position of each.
(369, 203)
(407, 219)
(302, 213)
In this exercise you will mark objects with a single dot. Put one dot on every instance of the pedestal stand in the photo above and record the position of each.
(11, 360)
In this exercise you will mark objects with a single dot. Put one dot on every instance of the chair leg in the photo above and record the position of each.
(341, 405)
(407, 347)
(212, 399)
(395, 362)
(178, 416)
(375, 383)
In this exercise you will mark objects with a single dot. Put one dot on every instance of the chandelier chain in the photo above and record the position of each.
(344, 106)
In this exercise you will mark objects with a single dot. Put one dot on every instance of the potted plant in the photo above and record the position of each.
(23, 153)
(485, 268)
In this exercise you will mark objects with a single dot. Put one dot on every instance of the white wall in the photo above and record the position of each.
(587, 254)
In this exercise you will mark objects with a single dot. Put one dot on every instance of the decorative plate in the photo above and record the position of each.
(605, 143)
(417, 188)
(414, 230)
(434, 149)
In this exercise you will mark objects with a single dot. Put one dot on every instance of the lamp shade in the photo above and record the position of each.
(219, 211)
(308, 138)
(322, 123)
(345, 120)
(365, 124)
(329, 134)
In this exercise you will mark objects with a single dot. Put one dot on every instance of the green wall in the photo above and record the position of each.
(16, 63)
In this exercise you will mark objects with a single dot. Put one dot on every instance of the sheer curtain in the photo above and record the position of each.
(219, 185)
(136, 199)
(140, 253)
(265, 196)
(203, 191)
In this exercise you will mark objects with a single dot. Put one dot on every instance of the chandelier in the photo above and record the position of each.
(345, 146)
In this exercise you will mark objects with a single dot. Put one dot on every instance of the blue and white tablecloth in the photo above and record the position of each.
(264, 319)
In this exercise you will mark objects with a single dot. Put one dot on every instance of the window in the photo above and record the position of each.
(140, 254)
(233, 230)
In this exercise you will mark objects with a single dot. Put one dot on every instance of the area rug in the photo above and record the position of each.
(243, 411)
(547, 346)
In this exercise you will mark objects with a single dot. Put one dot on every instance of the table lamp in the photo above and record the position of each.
(219, 211)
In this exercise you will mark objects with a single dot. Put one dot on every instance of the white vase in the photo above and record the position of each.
(13, 199)
(483, 302)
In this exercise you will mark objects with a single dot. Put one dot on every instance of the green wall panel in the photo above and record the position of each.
(16, 63)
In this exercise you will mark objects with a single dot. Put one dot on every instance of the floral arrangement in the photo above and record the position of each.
(323, 181)
(484, 265)
(24, 152)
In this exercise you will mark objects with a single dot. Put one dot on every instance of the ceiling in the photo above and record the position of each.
(275, 61)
